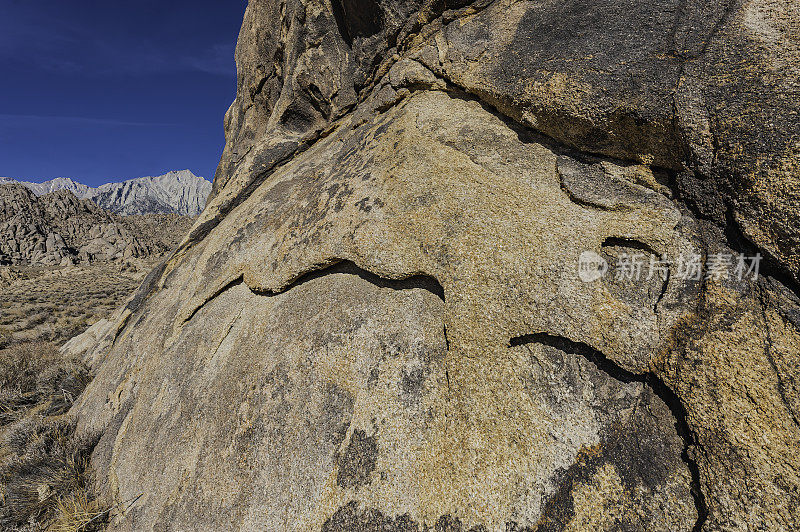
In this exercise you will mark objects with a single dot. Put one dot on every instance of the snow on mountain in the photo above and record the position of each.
(179, 192)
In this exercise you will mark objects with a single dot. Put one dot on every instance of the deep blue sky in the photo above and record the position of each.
(107, 90)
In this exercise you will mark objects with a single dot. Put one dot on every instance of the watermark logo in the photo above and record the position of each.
(591, 267)
(687, 267)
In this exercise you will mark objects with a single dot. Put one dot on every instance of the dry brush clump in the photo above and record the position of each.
(45, 478)
(5, 337)
(36, 379)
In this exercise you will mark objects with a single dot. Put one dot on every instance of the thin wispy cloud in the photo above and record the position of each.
(14, 119)
(73, 47)
(216, 60)
(105, 60)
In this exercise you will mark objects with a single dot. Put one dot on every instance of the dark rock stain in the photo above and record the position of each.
(337, 411)
(634, 450)
(358, 461)
(412, 381)
(352, 518)
(372, 380)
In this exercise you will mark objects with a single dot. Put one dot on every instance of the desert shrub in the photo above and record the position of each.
(76, 327)
(5, 337)
(48, 307)
(45, 479)
(21, 365)
(75, 311)
(43, 335)
(36, 378)
(36, 319)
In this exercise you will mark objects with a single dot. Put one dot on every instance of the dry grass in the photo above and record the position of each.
(45, 480)
(36, 379)
(53, 305)
(78, 513)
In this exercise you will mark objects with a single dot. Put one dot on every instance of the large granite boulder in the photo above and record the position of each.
(381, 320)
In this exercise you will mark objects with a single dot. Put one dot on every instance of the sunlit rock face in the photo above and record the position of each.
(383, 319)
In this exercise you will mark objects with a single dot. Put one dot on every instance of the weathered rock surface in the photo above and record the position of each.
(58, 229)
(378, 321)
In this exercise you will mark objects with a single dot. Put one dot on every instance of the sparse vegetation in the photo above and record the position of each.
(44, 476)
(36, 380)
(5, 337)
(53, 305)
(45, 480)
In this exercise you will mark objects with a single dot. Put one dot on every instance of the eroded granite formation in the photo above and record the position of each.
(378, 322)
(58, 229)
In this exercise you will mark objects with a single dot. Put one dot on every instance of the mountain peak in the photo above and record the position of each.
(176, 192)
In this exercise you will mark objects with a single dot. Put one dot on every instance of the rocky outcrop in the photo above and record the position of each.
(58, 229)
(380, 320)
(181, 193)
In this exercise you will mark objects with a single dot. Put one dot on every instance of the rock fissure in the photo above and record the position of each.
(729, 9)
(738, 241)
(769, 266)
(630, 243)
(664, 288)
(649, 379)
(227, 286)
(768, 343)
(334, 266)
(227, 332)
(402, 41)
(529, 134)
(436, 11)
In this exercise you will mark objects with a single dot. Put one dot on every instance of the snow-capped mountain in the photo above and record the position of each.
(179, 192)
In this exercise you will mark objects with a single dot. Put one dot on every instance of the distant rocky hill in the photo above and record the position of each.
(180, 192)
(58, 228)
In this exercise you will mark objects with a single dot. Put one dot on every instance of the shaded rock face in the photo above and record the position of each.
(379, 323)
